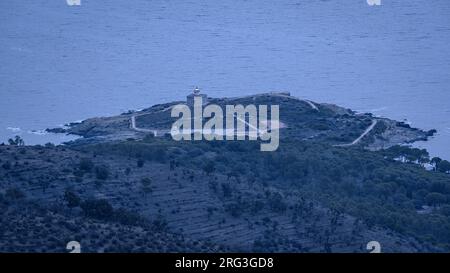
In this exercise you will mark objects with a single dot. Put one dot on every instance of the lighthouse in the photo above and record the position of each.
(196, 93)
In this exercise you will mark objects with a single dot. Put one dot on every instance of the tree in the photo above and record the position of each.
(72, 199)
(6, 165)
(86, 165)
(385, 189)
(276, 202)
(140, 163)
(17, 141)
(435, 161)
(146, 185)
(100, 209)
(45, 183)
(445, 210)
(160, 223)
(209, 167)
(160, 155)
(102, 172)
(14, 194)
(444, 166)
(435, 199)
(172, 165)
(226, 189)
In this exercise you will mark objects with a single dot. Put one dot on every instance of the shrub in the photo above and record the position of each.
(226, 189)
(127, 217)
(160, 155)
(160, 223)
(7, 165)
(146, 185)
(276, 203)
(234, 209)
(86, 165)
(99, 209)
(14, 194)
(140, 163)
(435, 199)
(209, 167)
(444, 166)
(72, 199)
(17, 141)
(445, 210)
(101, 172)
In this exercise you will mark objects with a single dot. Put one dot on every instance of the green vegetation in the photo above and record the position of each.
(16, 141)
(86, 165)
(14, 194)
(333, 198)
(146, 185)
(386, 188)
(72, 199)
(98, 209)
(102, 172)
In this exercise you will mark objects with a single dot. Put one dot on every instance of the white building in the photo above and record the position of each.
(196, 93)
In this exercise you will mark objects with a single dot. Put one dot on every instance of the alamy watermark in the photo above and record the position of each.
(374, 247)
(73, 2)
(374, 2)
(236, 127)
(74, 247)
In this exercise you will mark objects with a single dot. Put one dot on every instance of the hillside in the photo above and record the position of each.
(326, 189)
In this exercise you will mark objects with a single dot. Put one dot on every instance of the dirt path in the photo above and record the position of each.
(135, 128)
(313, 106)
(370, 128)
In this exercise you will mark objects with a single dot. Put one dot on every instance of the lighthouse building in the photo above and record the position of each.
(196, 93)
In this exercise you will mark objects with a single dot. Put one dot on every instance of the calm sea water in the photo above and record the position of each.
(61, 63)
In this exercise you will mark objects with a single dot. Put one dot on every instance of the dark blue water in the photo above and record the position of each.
(61, 63)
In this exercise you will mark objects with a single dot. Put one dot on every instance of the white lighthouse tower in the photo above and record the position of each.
(196, 93)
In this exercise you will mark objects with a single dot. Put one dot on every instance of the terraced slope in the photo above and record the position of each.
(214, 209)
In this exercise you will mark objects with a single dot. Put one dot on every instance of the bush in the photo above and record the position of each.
(209, 167)
(86, 165)
(14, 194)
(7, 165)
(102, 172)
(444, 166)
(234, 209)
(160, 223)
(435, 199)
(445, 210)
(99, 209)
(17, 141)
(72, 199)
(146, 185)
(226, 189)
(126, 217)
(160, 155)
(276, 203)
(140, 163)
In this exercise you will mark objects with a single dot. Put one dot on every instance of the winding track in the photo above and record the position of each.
(311, 104)
(370, 128)
(356, 141)
(134, 127)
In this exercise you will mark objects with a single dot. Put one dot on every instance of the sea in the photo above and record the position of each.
(61, 62)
